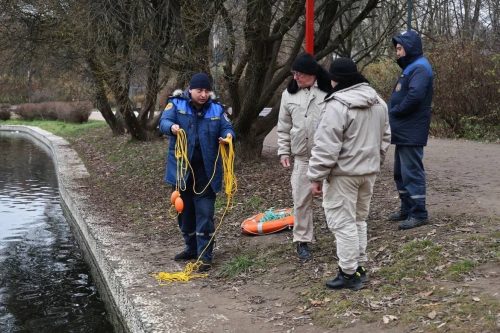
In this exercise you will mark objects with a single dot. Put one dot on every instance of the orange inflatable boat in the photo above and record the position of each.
(271, 221)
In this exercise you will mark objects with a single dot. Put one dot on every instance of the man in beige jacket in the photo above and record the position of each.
(298, 119)
(349, 147)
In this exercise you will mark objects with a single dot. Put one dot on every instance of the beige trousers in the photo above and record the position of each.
(346, 200)
(303, 229)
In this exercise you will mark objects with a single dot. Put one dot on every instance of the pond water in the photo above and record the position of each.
(45, 285)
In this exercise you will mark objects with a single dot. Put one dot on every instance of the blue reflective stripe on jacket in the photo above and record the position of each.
(422, 61)
(203, 127)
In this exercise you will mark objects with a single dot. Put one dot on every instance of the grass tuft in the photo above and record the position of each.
(459, 268)
(239, 264)
(414, 260)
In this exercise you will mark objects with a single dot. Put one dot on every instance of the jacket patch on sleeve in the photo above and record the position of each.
(398, 87)
(169, 106)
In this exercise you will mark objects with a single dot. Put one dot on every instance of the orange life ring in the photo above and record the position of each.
(253, 225)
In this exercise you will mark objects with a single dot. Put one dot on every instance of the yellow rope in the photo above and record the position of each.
(230, 183)
(181, 155)
(226, 150)
(186, 275)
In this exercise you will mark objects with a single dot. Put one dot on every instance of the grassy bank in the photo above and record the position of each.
(60, 128)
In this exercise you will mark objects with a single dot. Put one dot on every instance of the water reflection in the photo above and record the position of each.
(44, 283)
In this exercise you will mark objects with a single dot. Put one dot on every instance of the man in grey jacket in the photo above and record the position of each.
(298, 119)
(349, 147)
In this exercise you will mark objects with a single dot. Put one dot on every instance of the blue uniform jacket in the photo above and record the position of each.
(203, 127)
(411, 99)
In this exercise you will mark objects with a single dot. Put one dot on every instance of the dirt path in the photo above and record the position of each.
(464, 177)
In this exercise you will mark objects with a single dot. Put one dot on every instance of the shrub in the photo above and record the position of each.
(466, 99)
(466, 89)
(74, 112)
(382, 76)
(32, 111)
(4, 112)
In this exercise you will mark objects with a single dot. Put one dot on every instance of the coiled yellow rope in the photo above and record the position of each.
(226, 150)
(230, 183)
(181, 155)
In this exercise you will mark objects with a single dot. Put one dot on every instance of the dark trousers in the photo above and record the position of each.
(409, 175)
(197, 219)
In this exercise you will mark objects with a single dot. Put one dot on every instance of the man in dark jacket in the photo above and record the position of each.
(205, 124)
(410, 116)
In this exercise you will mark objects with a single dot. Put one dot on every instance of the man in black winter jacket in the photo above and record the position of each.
(410, 116)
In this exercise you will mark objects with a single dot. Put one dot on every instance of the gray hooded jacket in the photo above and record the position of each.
(353, 134)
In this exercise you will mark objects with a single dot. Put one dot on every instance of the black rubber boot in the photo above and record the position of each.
(185, 255)
(205, 266)
(363, 276)
(411, 223)
(303, 251)
(397, 216)
(347, 281)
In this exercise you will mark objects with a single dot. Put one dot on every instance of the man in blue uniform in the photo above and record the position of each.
(410, 116)
(205, 124)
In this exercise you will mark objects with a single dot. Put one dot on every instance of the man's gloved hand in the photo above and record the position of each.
(174, 129)
(285, 161)
(228, 138)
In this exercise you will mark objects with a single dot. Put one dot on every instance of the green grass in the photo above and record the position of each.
(255, 202)
(220, 203)
(459, 268)
(414, 260)
(60, 128)
(240, 264)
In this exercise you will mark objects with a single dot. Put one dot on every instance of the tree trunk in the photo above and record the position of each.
(103, 106)
(271, 44)
(101, 99)
(249, 146)
(146, 114)
(252, 142)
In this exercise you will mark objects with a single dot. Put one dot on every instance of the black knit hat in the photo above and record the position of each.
(305, 63)
(200, 81)
(343, 69)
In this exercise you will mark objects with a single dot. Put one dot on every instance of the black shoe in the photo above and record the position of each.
(362, 274)
(348, 281)
(303, 251)
(185, 255)
(411, 223)
(397, 216)
(205, 266)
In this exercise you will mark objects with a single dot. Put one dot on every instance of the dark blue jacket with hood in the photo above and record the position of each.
(411, 99)
(203, 127)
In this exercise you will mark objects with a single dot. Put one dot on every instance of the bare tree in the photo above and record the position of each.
(272, 35)
(31, 43)
(465, 19)
(120, 36)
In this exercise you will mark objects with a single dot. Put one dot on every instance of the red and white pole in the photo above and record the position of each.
(310, 26)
